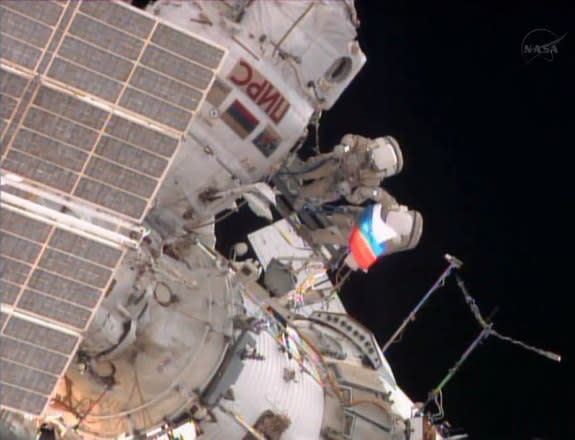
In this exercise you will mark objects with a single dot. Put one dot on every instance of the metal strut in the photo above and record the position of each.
(486, 331)
(484, 334)
(292, 27)
(492, 332)
(454, 263)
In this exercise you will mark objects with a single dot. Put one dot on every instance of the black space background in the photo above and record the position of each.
(488, 145)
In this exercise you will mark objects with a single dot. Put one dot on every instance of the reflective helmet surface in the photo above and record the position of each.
(409, 226)
(386, 156)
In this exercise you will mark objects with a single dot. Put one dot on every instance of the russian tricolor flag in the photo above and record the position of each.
(368, 238)
(240, 119)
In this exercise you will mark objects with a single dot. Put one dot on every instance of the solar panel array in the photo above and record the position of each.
(54, 276)
(95, 99)
(51, 272)
(34, 356)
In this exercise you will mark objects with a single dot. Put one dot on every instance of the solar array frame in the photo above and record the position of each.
(105, 94)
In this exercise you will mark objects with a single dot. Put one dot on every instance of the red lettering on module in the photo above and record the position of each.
(261, 91)
(270, 97)
(279, 111)
(254, 89)
(247, 79)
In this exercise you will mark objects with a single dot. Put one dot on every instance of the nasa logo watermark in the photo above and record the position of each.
(540, 44)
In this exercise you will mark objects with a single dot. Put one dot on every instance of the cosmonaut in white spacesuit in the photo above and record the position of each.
(353, 170)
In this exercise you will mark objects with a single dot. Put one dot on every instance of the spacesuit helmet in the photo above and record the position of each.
(386, 156)
(408, 224)
(382, 231)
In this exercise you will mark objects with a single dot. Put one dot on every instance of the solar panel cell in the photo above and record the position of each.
(85, 80)
(71, 108)
(64, 288)
(60, 129)
(155, 109)
(19, 53)
(129, 20)
(8, 292)
(24, 226)
(12, 84)
(85, 248)
(142, 137)
(19, 248)
(41, 336)
(8, 106)
(106, 37)
(46, 12)
(31, 356)
(19, 399)
(27, 378)
(187, 46)
(74, 268)
(176, 67)
(40, 171)
(124, 154)
(111, 198)
(51, 308)
(24, 29)
(95, 59)
(120, 177)
(49, 150)
(166, 88)
(14, 271)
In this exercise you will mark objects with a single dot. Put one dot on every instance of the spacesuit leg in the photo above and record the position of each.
(338, 233)
(377, 194)
(329, 235)
(320, 189)
(326, 166)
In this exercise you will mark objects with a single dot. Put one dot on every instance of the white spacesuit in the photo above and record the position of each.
(353, 170)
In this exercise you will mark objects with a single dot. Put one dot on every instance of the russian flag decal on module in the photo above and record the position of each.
(240, 119)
